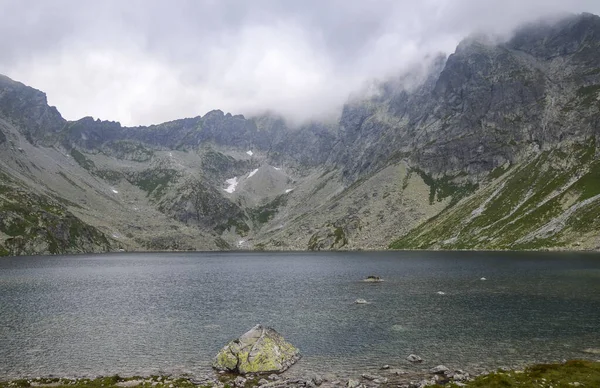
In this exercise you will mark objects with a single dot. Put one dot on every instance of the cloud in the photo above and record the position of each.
(149, 61)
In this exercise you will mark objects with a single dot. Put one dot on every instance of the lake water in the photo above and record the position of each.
(172, 312)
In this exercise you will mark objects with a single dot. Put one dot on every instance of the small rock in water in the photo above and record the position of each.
(440, 369)
(318, 380)
(329, 377)
(385, 367)
(441, 293)
(352, 383)
(483, 279)
(360, 301)
(373, 279)
(414, 358)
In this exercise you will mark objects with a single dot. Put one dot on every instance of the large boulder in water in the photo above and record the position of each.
(260, 350)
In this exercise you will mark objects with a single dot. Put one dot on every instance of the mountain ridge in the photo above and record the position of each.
(405, 167)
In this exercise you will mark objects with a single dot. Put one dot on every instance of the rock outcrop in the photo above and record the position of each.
(260, 350)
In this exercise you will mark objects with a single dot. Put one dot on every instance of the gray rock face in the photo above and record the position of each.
(260, 350)
(28, 108)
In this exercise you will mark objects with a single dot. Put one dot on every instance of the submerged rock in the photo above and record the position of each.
(414, 358)
(373, 279)
(260, 350)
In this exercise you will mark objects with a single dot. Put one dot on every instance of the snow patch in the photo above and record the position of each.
(115, 191)
(289, 191)
(241, 243)
(233, 182)
(252, 173)
(249, 152)
(277, 168)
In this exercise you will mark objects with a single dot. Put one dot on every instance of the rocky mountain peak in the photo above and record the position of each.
(28, 108)
(550, 39)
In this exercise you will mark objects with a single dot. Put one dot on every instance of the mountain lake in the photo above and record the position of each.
(151, 313)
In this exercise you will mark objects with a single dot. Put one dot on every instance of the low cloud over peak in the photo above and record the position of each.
(143, 62)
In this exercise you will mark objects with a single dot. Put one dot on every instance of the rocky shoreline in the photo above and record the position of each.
(567, 373)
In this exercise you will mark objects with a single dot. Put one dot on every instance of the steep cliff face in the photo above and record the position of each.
(491, 147)
(28, 109)
(490, 104)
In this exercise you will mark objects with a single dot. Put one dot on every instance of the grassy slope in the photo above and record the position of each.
(37, 224)
(509, 210)
(585, 373)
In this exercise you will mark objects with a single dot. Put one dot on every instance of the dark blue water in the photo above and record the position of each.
(171, 313)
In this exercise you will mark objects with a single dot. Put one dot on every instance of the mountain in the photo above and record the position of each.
(493, 147)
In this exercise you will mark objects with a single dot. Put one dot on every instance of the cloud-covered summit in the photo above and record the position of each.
(149, 61)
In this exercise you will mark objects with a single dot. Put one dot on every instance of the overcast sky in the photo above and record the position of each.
(149, 61)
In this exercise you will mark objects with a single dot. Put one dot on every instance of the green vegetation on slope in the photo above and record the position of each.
(589, 95)
(518, 210)
(265, 213)
(36, 224)
(128, 150)
(239, 225)
(154, 182)
(568, 375)
(82, 160)
(445, 187)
